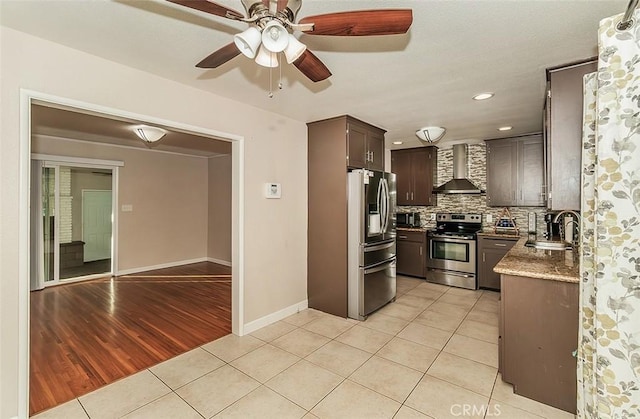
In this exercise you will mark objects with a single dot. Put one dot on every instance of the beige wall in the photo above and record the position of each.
(81, 180)
(275, 150)
(219, 228)
(168, 193)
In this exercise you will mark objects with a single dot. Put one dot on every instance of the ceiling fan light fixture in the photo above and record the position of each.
(430, 134)
(149, 134)
(248, 41)
(266, 58)
(294, 50)
(275, 37)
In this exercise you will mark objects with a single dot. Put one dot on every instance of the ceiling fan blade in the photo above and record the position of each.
(312, 67)
(220, 56)
(361, 23)
(209, 7)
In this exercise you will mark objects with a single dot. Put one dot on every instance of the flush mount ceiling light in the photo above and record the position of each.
(430, 134)
(483, 96)
(505, 128)
(149, 134)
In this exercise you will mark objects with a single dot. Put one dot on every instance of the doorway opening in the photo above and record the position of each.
(234, 281)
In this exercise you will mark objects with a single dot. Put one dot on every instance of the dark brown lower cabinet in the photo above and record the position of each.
(411, 252)
(490, 251)
(538, 336)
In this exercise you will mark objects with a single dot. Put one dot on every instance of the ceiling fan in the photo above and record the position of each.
(272, 21)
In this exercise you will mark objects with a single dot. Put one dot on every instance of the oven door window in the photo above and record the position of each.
(450, 251)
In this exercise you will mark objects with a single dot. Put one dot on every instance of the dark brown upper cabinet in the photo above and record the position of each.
(415, 170)
(365, 145)
(515, 172)
(563, 134)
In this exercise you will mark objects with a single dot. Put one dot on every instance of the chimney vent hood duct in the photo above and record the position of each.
(459, 184)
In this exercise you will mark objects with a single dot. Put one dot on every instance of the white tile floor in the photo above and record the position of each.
(432, 353)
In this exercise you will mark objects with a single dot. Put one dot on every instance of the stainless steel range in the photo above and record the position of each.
(451, 256)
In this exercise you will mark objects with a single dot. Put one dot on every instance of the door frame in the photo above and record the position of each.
(29, 97)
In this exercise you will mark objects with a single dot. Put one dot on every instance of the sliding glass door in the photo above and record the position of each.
(74, 237)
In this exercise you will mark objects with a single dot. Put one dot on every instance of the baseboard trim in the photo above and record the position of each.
(274, 317)
(160, 266)
(219, 261)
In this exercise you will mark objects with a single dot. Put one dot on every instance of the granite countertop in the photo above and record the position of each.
(491, 233)
(543, 264)
(418, 229)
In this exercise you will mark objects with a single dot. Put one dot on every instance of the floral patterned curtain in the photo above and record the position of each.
(609, 347)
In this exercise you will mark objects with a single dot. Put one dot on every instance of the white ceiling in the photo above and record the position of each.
(454, 49)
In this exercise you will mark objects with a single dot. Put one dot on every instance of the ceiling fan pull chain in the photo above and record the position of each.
(270, 81)
(280, 77)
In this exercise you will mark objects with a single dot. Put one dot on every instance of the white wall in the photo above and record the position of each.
(219, 228)
(274, 151)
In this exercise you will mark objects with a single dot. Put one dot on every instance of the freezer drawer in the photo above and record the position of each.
(371, 288)
(373, 254)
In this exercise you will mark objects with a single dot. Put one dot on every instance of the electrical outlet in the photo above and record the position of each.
(489, 218)
(432, 217)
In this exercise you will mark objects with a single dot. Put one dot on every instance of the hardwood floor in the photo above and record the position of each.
(89, 334)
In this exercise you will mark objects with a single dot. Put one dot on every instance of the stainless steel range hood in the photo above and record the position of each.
(459, 184)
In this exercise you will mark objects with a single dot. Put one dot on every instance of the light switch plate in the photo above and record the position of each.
(127, 208)
(489, 218)
(273, 190)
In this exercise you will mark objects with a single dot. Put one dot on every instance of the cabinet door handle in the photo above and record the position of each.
(412, 196)
(372, 158)
(420, 250)
(402, 237)
(483, 259)
(500, 244)
(407, 196)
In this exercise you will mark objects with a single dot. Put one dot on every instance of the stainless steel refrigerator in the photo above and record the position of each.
(371, 241)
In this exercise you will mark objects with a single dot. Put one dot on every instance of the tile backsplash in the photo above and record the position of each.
(472, 203)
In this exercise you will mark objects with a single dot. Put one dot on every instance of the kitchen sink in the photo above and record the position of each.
(549, 245)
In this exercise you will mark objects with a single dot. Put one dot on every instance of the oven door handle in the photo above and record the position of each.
(449, 239)
(454, 273)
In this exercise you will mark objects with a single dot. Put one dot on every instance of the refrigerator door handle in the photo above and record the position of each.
(380, 266)
(385, 204)
(380, 203)
(379, 246)
(383, 218)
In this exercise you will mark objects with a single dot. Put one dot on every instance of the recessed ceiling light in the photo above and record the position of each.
(397, 142)
(483, 96)
(507, 128)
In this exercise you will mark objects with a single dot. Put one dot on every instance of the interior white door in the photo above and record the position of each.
(96, 224)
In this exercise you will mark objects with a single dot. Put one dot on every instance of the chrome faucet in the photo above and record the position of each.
(577, 221)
